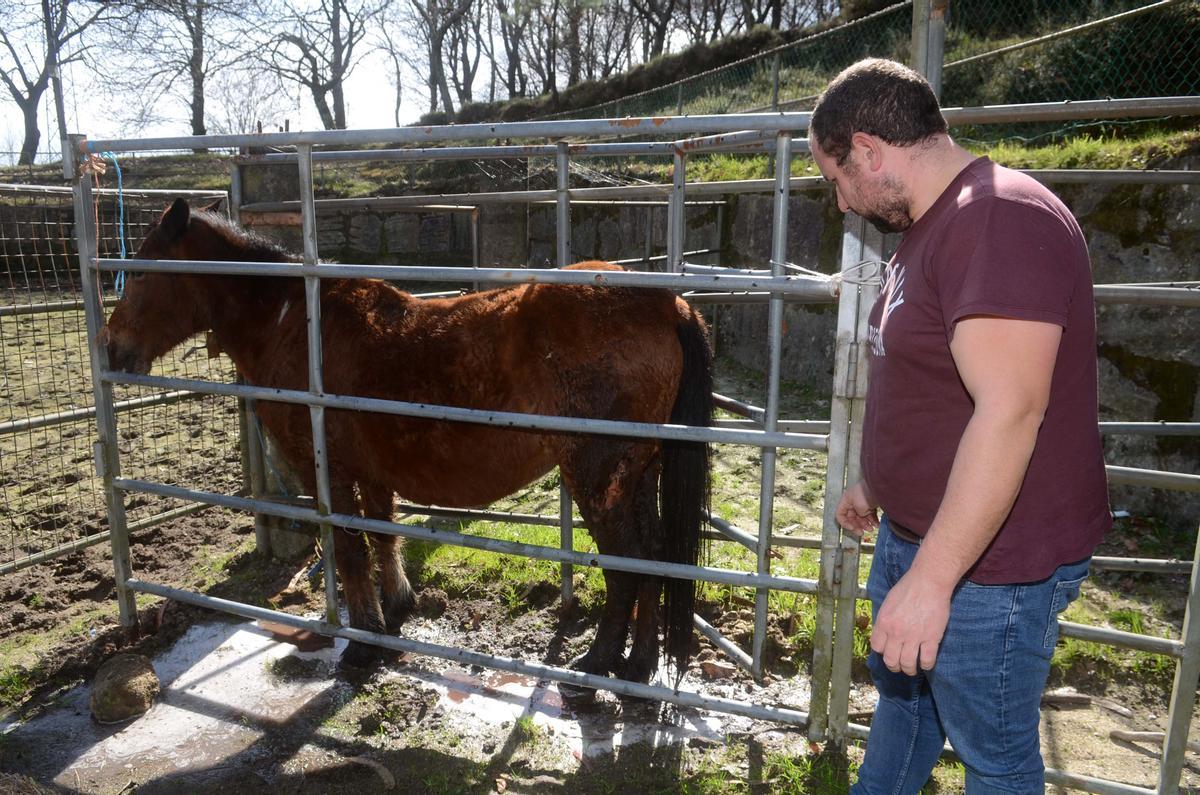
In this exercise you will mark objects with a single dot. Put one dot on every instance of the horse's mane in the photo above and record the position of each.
(252, 246)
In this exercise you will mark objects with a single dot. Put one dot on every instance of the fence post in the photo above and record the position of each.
(316, 379)
(675, 214)
(566, 529)
(1183, 692)
(108, 461)
(833, 641)
(929, 40)
(766, 494)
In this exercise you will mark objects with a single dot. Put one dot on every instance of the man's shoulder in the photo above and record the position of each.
(990, 184)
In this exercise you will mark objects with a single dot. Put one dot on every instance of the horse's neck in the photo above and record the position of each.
(248, 313)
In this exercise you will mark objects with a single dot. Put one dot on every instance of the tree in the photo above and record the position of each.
(33, 47)
(318, 48)
(657, 16)
(242, 99)
(172, 49)
(464, 50)
(514, 21)
(436, 18)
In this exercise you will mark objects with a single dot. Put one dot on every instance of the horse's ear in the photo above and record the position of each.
(213, 206)
(175, 220)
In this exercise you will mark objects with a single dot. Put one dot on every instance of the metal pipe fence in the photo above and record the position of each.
(837, 587)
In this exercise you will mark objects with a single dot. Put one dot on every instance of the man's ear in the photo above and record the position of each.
(870, 149)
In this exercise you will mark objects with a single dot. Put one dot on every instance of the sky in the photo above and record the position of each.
(368, 100)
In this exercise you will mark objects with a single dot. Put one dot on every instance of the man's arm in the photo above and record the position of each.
(1006, 365)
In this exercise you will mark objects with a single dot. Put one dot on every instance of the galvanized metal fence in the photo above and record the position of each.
(50, 497)
(837, 587)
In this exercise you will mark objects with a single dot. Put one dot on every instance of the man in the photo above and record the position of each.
(980, 441)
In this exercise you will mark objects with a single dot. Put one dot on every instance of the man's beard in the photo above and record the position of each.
(891, 214)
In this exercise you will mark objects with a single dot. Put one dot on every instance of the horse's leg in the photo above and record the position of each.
(602, 477)
(354, 570)
(643, 656)
(397, 595)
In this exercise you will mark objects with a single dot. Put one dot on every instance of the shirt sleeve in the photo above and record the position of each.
(1006, 259)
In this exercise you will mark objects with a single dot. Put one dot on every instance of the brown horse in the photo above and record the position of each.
(577, 351)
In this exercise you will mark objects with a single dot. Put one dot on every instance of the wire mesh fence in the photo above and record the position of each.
(50, 495)
(1006, 52)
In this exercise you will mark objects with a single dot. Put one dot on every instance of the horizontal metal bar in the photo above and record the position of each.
(58, 190)
(1150, 428)
(481, 515)
(1155, 296)
(700, 252)
(733, 533)
(1141, 564)
(1116, 637)
(610, 193)
(592, 560)
(54, 552)
(1074, 109)
(787, 285)
(792, 426)
(645, 125)
(605, 149)
(50, 307)
(752, 412)
(723, 643)
(535, 670)
(505, 419)
(722, 140)
(726, 298)
(1130, 476)
(1105, 176)
(97, 538)
(75, 415)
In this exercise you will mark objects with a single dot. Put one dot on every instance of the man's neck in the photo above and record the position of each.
(933, 170)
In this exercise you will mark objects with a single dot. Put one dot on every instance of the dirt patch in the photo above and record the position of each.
(400, 729)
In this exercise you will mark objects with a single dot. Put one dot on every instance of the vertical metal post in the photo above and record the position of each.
(929, 40)
(316, 385)
(252, 449)
(833, 641)
(649, 241)
(475, 239)
(775, 82)
(766, 495)
(679, 101)
(566, 529)
(1183, 693)
(108, 460)
(235, 193)
(675, 215)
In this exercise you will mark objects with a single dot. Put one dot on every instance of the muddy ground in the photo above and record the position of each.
(393, 730)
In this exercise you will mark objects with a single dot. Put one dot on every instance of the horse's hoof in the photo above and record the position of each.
(362, 656)
(396, 612)
(640, 671)
(576, 696)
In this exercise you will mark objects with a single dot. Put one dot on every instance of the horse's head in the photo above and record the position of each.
(160, 310)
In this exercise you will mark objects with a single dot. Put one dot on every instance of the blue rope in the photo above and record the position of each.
(119, 282)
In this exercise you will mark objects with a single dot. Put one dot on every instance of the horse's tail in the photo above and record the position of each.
(684, 489)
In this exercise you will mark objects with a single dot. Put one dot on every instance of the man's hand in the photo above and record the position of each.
(910, 624)
(856, 511)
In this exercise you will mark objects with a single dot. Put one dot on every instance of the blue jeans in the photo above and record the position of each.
(984, 691)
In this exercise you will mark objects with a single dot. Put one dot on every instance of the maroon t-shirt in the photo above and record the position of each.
(998, 243)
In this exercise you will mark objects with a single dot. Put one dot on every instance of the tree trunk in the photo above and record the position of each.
(196, 67)
(33, 136)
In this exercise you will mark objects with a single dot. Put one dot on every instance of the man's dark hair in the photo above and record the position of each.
(883, 98)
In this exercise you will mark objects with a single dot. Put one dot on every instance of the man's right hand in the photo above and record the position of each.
(857, 510)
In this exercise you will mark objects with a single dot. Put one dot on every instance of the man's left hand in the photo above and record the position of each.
(910, 624)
